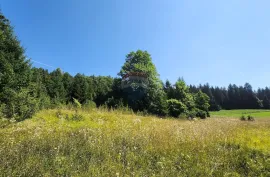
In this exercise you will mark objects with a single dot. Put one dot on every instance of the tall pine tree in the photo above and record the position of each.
(16, 98)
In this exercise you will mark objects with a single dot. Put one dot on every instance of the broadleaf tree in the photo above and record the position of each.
(152, 97)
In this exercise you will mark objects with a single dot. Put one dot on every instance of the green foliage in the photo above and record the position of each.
(243, 118)
(197, 113)
(114, 103)
(44, 102)
(56, 88)
(183, 94)
(152, 97)
(214, 106)
(250, 118)
(192, 113)
(77, 103)
(20, 106)
(157, 102)
(16, 98)
(67, 80)
(176, 107)
(169, 90)
(102, 88)
(38, 87)
(80, 88)
(266, 102)
(201, 114)
(139, 61)
(196, 103)
(202, 101)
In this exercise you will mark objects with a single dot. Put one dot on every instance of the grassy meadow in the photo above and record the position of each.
(257, 113)
(97, 142)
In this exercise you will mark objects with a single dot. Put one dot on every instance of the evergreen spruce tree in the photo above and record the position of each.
(67, 83)
(16, 99)
(80, 88)
(266, 103)
(39, 87)
(56, 87)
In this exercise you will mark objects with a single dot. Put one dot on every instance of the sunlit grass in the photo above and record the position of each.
(113, 143)
(257, 113)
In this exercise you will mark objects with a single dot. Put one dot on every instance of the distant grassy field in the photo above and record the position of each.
(113, 143)
(257, 113)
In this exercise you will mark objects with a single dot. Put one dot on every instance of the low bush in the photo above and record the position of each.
(250, 118)
(243, 118)
(176, 107)
(20, 105)
(201, 114)
(198, 113)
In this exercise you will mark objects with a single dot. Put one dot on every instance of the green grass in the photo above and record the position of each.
(113, 143)
(257, 113)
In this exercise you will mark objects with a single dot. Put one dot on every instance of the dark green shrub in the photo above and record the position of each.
(243, 118)
(214, 106)
(250, 118)
(114, 103)
(198, 113)
(191, 114)
(176, 107)
(201, 114)
(21, 105)
(202, 101)
(44, 102)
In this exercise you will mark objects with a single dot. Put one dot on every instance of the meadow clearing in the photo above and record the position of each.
(257, 113)
(96, 142)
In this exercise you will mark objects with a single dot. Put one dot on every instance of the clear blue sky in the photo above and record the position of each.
(213, 41)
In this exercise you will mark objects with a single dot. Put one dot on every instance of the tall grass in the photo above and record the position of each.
(118, 143)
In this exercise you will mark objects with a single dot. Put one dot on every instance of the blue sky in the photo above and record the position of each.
(218, 42)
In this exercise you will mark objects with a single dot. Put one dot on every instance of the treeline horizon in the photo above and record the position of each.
(101, 89)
